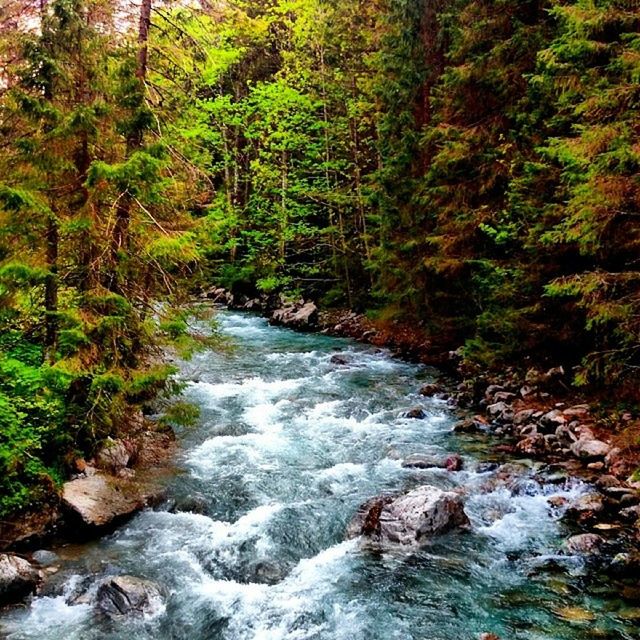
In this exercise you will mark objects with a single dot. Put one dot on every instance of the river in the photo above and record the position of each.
(288, 445)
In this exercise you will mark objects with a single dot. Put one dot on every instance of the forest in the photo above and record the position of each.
(467, 167)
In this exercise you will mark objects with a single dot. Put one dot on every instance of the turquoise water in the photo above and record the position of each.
(288, 446)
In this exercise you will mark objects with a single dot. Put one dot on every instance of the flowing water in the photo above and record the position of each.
(289, 444)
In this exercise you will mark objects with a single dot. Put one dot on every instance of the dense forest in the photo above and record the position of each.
(468, 167)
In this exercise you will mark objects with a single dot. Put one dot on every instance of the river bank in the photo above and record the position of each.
(530, 413)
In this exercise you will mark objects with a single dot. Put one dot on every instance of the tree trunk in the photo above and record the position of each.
(134, 142)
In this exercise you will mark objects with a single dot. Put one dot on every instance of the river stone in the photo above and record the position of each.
(128, 595)
(586, 544)
(417, 413)
(587, 449)
(18, 578)
(99, 500)
(409, 519)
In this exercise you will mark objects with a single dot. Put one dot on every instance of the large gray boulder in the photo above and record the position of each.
(18, 578)
(128, 595)
(99, 500)
(410, 519)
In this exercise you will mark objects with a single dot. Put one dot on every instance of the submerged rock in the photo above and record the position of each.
(128, 595)
(18, 578)
(452, 462)
(416, 413)
(410, 519)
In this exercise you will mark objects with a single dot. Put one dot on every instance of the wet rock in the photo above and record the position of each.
(557, 501)
(588, 449)
(454, 462)
(584, 544)
(422, 461)
(128, 595)
(18, 578)
(488, 636)
(98, 500)
(626, 565)
(417, 413)
(431, 389)
(114, 455)
(45, 558)
(595, 466)
(410, 519)
(339, 360)
(471, 425)
(191, 504)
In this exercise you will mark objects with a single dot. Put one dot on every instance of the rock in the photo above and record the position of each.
(595, 466)
(421, 461)
(592, 450)
(500, 412)
(630, 514)
(532, 445)
(552, 420)
(488, 636)
(431, 389)
(577, 411)
(18, 578)
(491, 390)
(97, 501)
(338, 359)
(113, 456)
(585, 544)
(585, 508)
(409, 519)
(45, 558)
(478, 423)
(454, 463)
(565, 435)
(304, 316)
(416, 413)
(626, 565)
(557, 501)
(128, 595)
(504, 396)
(522, 417)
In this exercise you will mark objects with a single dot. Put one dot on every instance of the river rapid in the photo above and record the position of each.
(250, 544)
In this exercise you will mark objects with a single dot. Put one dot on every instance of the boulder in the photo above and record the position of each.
(302, 316)
(410, 519)
(588, 449)
(97, 501)
(338, 359)
(18, 578)
(584, 544)
(127, 595)
(416, 413)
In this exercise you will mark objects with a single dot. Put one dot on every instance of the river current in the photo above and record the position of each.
(250, 544)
